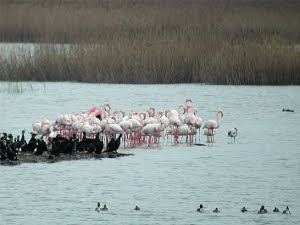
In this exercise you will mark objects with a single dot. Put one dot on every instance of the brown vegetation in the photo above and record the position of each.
(154, 41)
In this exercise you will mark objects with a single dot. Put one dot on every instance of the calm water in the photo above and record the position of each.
(169, 182)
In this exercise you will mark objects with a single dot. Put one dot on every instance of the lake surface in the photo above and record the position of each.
(167, 182)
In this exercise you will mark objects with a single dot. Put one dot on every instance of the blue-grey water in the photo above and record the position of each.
(167, 182)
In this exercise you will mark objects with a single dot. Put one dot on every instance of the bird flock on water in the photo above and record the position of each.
(262, 209)
(137, 128)
(101, 128)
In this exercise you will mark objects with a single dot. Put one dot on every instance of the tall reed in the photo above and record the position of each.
(157, 41)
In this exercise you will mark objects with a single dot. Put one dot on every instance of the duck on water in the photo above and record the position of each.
(288, 110)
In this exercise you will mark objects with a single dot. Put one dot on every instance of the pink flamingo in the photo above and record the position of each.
(187, 130)
(152, 130)
(210, 135)
(198, 120)
(211, 125)
(43, 127)
(126, 125)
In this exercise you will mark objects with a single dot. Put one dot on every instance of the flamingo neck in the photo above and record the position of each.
(218, 123)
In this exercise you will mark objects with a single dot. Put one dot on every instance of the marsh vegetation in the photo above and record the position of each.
(146, 42)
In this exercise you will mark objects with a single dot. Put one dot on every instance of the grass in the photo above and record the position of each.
(154, 41)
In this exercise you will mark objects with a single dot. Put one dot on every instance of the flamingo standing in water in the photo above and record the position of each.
(210, 135)
(212, 125)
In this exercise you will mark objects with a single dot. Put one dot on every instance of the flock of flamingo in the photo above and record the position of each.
(137, 128)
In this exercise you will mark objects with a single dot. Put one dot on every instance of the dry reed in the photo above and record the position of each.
(157, 41)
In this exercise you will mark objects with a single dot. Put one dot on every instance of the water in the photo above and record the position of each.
(19, 50)
(167, 182)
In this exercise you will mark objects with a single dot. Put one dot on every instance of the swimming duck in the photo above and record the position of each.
(137, 208)
(216, 210)
(200, 209)
(262, 210)
(243, 209)
(104, 208)
(276, 210)
(98, 209)
(286, 211)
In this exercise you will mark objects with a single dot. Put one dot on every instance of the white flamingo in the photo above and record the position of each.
(113, 128)
(213, 124)
(209, 135)
(43, 127)
(152, 130)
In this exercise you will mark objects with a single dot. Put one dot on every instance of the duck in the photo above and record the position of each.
(216, 210)
(286, 211)
(104, 208)
(98, 209)
(262, 210)
(137, 208)
(276, 210)
(200, 209)
(243, 209)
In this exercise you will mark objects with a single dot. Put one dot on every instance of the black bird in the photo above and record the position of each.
(4, 137)
(114, 144)
(276, 210)
(59, 144)
(98, 209)
(20, 143)
(2, 149)
(70, 146)
(89, 144)
(104, 208)
(98, 144)
(11, 153)
(200, 209)
(216, 210)
(243, 209)
(40, 147)
(262, 210)
(286, 211)
(32, 144)
(137, 208)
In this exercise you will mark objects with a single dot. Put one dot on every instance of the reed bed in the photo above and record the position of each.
(154, 41)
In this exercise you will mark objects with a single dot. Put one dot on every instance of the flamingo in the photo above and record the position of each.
(152, 130)
(187, 130)
(150, 120)
(210, 135)
(104, 111)
(232, 133)
(113, 128)
(43, 127)
(126, 125)
(213, 124)
(198, 121)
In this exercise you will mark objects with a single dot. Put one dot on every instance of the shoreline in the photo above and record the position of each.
(26, 157)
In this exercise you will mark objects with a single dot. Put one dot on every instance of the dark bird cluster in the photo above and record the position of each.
(98, 208)
(262, 210)
(72, 145)
(11, 148)
(287, 110)
(104, 208)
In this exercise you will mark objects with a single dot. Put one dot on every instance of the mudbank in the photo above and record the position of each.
(26, 157)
